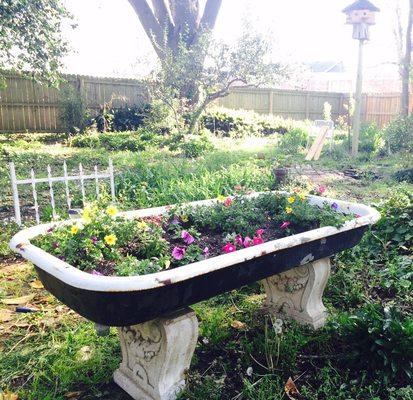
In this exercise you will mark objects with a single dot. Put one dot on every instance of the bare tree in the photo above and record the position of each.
(168, 23)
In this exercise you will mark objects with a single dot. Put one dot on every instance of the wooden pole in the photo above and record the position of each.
(358, 103)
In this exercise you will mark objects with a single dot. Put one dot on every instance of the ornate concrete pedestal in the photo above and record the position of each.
(156, 356)
(297, 293)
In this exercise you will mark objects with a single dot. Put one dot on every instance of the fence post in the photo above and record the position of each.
(271, 102)
(13, 178)
(307, 105)
(112, 180)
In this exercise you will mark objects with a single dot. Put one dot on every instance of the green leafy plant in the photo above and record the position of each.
(381, 340)
(399, 134)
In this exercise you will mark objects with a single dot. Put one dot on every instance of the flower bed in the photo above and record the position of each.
(103, 242)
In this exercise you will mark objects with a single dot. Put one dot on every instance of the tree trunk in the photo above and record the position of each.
(168, 22)
(405, 98)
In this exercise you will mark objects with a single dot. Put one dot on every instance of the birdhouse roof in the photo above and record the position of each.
(361, 5)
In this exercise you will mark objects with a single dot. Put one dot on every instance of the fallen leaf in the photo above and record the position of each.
(37, 284)
(73, 395)
(5, 315)
(19, 300)
(238, 325)
(9, 396)
(291, 390)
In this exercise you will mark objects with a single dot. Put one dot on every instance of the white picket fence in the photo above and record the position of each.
(50, 180)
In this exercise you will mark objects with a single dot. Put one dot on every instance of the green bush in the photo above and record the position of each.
(241, 123)
(196, 146)
(294, 140)
(381, 341)
(132, 141)
(73, 113)
(371, 139)
(399, 134)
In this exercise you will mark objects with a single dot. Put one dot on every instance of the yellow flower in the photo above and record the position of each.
(74, 229)
(142, 225)
(302, 196)
(184, 218)
(111, 239)
(111, 211)
(291, 199)
(288, 210)
(87, 220)
(221, 198)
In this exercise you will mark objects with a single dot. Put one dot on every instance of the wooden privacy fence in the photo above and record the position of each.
(379, 108)
(26, 105)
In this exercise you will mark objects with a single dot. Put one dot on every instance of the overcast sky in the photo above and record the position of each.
(109, 40)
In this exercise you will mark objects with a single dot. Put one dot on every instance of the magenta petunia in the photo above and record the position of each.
(229, 248)
(260, 232)
(178, 253)
(257, 240)
(188, 238)
(227, 202)
(238, 240)
(247, 241)
(321, 189)
(285, 225)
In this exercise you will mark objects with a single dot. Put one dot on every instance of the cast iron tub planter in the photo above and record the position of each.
(157, 330)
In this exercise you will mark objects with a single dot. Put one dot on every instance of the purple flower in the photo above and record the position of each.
(188, 238)
(61, 258)
(285, 225)
(206, 252)
(334, 206)
(178, 253)
(175, 220)
(94, 240)
(94, 272)
(55, 245)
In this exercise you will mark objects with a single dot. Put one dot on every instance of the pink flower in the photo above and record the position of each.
(205, 251)
(260, 232)
(285, 225)
(229, 248)
(227, 202)
(357, 215)
(247, 241)
(238, 240)
(321, 189)
(94, 272)
(178, 253)
(257, 240)
(188, 238)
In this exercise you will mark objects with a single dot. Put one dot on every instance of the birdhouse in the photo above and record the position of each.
(361, 12)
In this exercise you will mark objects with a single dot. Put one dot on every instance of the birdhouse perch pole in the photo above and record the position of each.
(360, 14)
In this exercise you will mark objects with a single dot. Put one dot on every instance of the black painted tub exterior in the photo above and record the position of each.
(116, 306)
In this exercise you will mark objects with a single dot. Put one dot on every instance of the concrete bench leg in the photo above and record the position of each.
(156, 356)
(297, 293)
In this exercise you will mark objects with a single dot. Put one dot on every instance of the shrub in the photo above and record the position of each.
(399, 134)
(382, 341)
(196, 146)
(240, 123)
(86, 141)
(294, 140)
(132, 141)
(73, 112)
(371, 139)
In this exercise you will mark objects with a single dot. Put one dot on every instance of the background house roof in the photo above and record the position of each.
(361, 5)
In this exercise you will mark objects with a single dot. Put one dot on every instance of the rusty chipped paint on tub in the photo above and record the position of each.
(124, 301)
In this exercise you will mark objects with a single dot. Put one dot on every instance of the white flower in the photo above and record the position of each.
(249, 371)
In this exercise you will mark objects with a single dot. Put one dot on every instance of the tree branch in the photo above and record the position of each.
(210, 14)
(162, 13)
(152, 28)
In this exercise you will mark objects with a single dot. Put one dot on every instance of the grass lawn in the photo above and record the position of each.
(360, 354)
